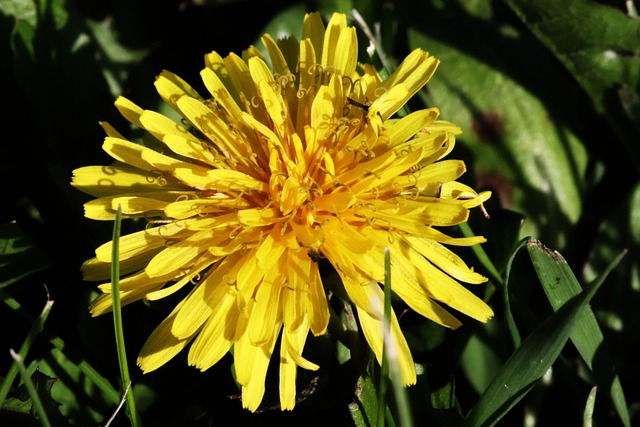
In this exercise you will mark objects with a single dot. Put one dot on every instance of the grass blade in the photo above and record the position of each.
(386, 335)
(535, 356)
(586, 334)
(508, 313)
(399, 391)
(31, 389)
(117, 320)
(91, 375)
(36, 328)
(587, 420)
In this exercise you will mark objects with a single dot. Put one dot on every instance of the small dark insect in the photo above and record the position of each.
(358, 104)
(315, 254)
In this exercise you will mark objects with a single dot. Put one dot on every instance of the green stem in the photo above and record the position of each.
(117, 320)
(386, 335)
(482, 256)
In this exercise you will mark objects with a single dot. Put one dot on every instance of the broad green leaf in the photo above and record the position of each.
(599, 46)
(364, 408)
(560, 286)
(327, 7)
(19, 255)
(85, 395)
(36, 328)
(35, 11)
(81, 400)
(523, 146)
(38, 402)
(537, 353)
(480, 361)
(116, 55)
(445, 398)
(286, 23)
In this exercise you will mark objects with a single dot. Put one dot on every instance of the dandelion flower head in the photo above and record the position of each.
(288, 159)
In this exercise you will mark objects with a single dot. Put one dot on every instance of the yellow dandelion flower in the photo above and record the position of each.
(285, 161)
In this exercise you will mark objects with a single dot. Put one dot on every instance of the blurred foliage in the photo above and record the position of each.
(547, 95)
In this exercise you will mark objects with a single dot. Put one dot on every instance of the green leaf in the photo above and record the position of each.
(19, 409)
(537, 353)
(19, 255)
(286, 23)
(35, 11)
(523, 146)
(81, 395)
(364, 408)
(479, 359)
(560, 286)
(599, 46)
(589, 408)
(85, 395)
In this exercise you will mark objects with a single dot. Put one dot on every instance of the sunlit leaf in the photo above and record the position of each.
(534, 357)
(364, 408)
(522, 145)
(599, 46)
(560, 285)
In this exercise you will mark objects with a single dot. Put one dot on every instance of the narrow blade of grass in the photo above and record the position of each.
(31, 389)
(399, 391)
(511, 323)
(586, 334)
(386, 335)
(36, 328)
(90, 375)
(535, 356)
(117, 321)
(587, 420)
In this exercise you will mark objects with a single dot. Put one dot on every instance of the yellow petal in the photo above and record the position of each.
(290, 358)
(313, 29)
(260, 72)
(142, 241)
(444, 259)
(215, 204)
(135, 205)
(204, 298)
(442, 287)
(408, 126)
(176, 256)
(251, 363)
(110, 130)
(336, 24)
(142, 157)
(216, 337)
(219, 179)
(220, 92)
(318, 308)
(177, 138)
(266, 310)
(258, 217)
(171, 88)
(101, 181)
(346, 53)
(397, 348)
(129, 110)
(162, 345)
(214, 128)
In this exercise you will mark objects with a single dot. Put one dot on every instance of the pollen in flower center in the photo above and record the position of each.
(304, 138)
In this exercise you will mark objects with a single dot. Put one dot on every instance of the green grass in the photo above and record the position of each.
(546, 95)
